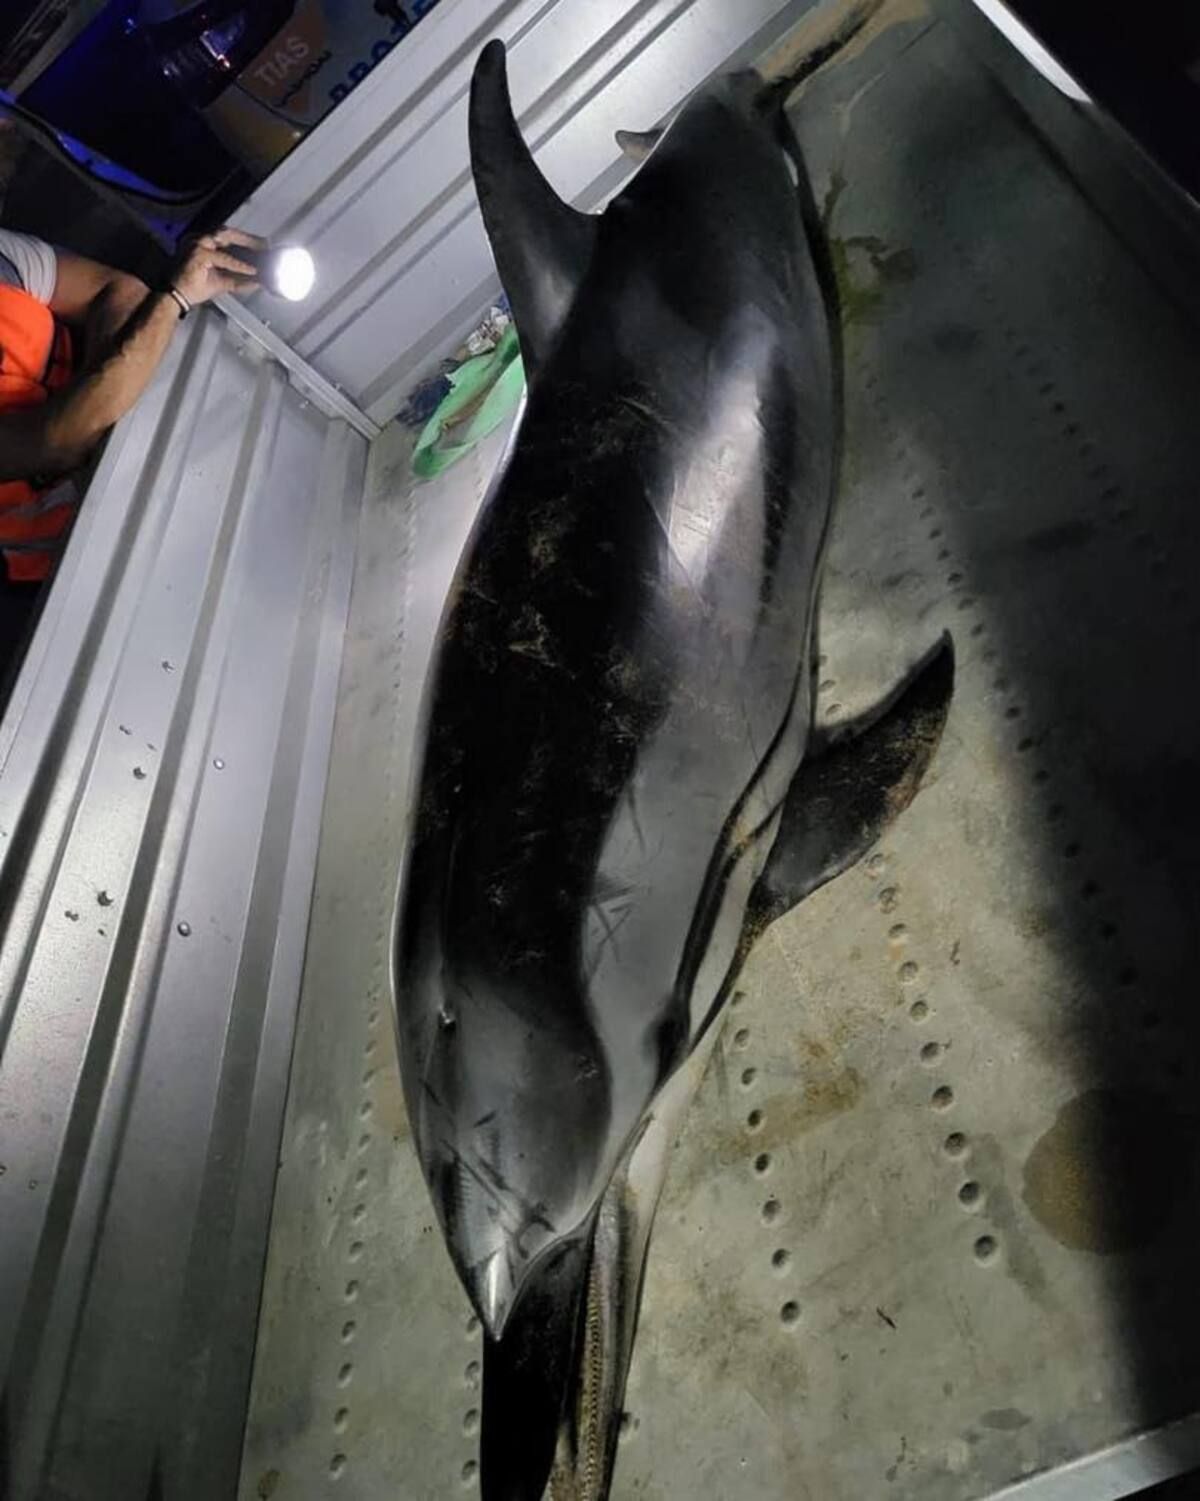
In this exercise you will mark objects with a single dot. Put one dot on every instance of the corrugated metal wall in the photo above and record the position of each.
(162, 769)
(382, 194)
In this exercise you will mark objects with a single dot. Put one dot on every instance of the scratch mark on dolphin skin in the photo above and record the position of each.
(611, 897)
(645, 410)
(672, 551)
(517, 1214)
(748, 725)
(631, 796)
(611, 929)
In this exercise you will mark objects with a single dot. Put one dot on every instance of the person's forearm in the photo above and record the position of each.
(108, 315)
(76, 419)
(56, 437)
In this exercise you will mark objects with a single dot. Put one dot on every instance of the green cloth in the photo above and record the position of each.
(502, 375)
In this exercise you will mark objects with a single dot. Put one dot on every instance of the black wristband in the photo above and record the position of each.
(185, 306)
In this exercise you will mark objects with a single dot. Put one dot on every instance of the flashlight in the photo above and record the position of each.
(286, 270)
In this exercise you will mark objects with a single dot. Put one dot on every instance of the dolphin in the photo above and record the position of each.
(621, 784)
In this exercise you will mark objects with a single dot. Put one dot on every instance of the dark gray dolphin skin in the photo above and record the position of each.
(621, 787)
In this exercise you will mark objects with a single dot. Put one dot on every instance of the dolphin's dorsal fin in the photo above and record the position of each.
(638, 144)
(541, 245)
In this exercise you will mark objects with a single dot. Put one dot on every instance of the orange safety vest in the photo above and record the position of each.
(35, 359)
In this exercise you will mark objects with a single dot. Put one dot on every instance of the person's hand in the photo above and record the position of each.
(209, 268)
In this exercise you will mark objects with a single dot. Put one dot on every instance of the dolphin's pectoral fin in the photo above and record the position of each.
(638, 144)
(852, 784)
(541, 245)
(527, 1375)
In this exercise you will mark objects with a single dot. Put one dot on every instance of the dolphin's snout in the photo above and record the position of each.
(491, 1291)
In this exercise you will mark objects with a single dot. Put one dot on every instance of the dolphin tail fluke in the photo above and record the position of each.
(851, 786)
(527, 1376)
(542, 246)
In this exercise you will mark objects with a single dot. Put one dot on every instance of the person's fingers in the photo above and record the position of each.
(231, 236)
(223, 260)
(224, 281)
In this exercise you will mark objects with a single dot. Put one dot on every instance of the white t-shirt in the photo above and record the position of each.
(29, 263)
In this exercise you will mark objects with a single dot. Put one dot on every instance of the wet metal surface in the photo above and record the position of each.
(928, 1228)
